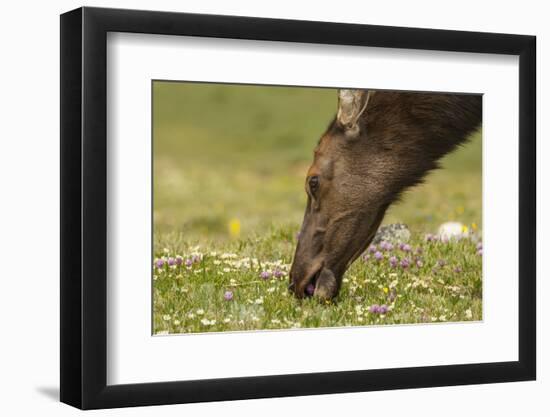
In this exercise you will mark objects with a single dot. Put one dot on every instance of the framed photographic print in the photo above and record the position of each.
(257, 208)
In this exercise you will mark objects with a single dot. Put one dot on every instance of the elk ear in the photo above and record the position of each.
(351, 105)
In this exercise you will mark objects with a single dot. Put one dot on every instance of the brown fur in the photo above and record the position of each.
(363, 168)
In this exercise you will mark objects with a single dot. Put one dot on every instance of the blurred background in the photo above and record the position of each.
(230, 161)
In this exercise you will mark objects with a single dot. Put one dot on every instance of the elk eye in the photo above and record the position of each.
(313, 184)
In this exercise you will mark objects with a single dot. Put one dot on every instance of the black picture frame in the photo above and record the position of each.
(84, 207)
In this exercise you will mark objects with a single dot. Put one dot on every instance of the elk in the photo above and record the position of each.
(379, 144)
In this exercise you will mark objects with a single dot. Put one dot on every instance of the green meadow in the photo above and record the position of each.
(229, 170)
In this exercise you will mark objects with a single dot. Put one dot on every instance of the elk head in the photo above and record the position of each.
(379, 144)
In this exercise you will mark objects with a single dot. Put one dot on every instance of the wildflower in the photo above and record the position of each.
(376, 309)
(259, 301)
(188, 263)
(386, 246)
(372, 249)
(278, 273)
(458, 269)
(177, 322)
(405, 263)
(480, 252)
(196, 258)
(228, 296)
(200, 312)
(166, 317)
(430, 238)
(454, 230)
(310, 289)
(419, 263)
(468, 314)
(179, 260)
(385, 289)
(171, 262)
(159, 263)
(366, 257)
(234, 227)
(405, 247)
(392, 296)
(393, 261)
(479, 245)
(441, 262)
(265, 275)
(378, 256)
(226, 320)
(191, 316)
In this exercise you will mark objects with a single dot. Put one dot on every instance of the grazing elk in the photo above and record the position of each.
(379, 144)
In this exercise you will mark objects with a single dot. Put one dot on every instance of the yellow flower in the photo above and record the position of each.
(474, 226)
(385, 290)
(235, 227)
(464, 229)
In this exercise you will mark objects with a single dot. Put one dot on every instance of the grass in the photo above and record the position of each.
(229, 167)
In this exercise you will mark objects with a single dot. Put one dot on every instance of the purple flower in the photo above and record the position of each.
(159, 263)
(441, 262)
(405, 247)
(430, 238)
(419, 251)
(265, 275)
(195, 258)
(376, 309)
(188, 262)
(419, 263)
(366, 257)
(372, 248)
(386, 246)
(458, 269)
(405, 263)
(480, 252)
(393, 261)
(479, 246)
(179, 260)
(378, 256)
(228, 296)
(278, 273)
(171, 261)
(310, 289)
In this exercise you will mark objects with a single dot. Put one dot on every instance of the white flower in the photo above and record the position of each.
(259, 300)
(226, 320)
(200, 311)
(468, 314)
(166, 317)
(176, 322)
(450, 230)
(191, 316)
